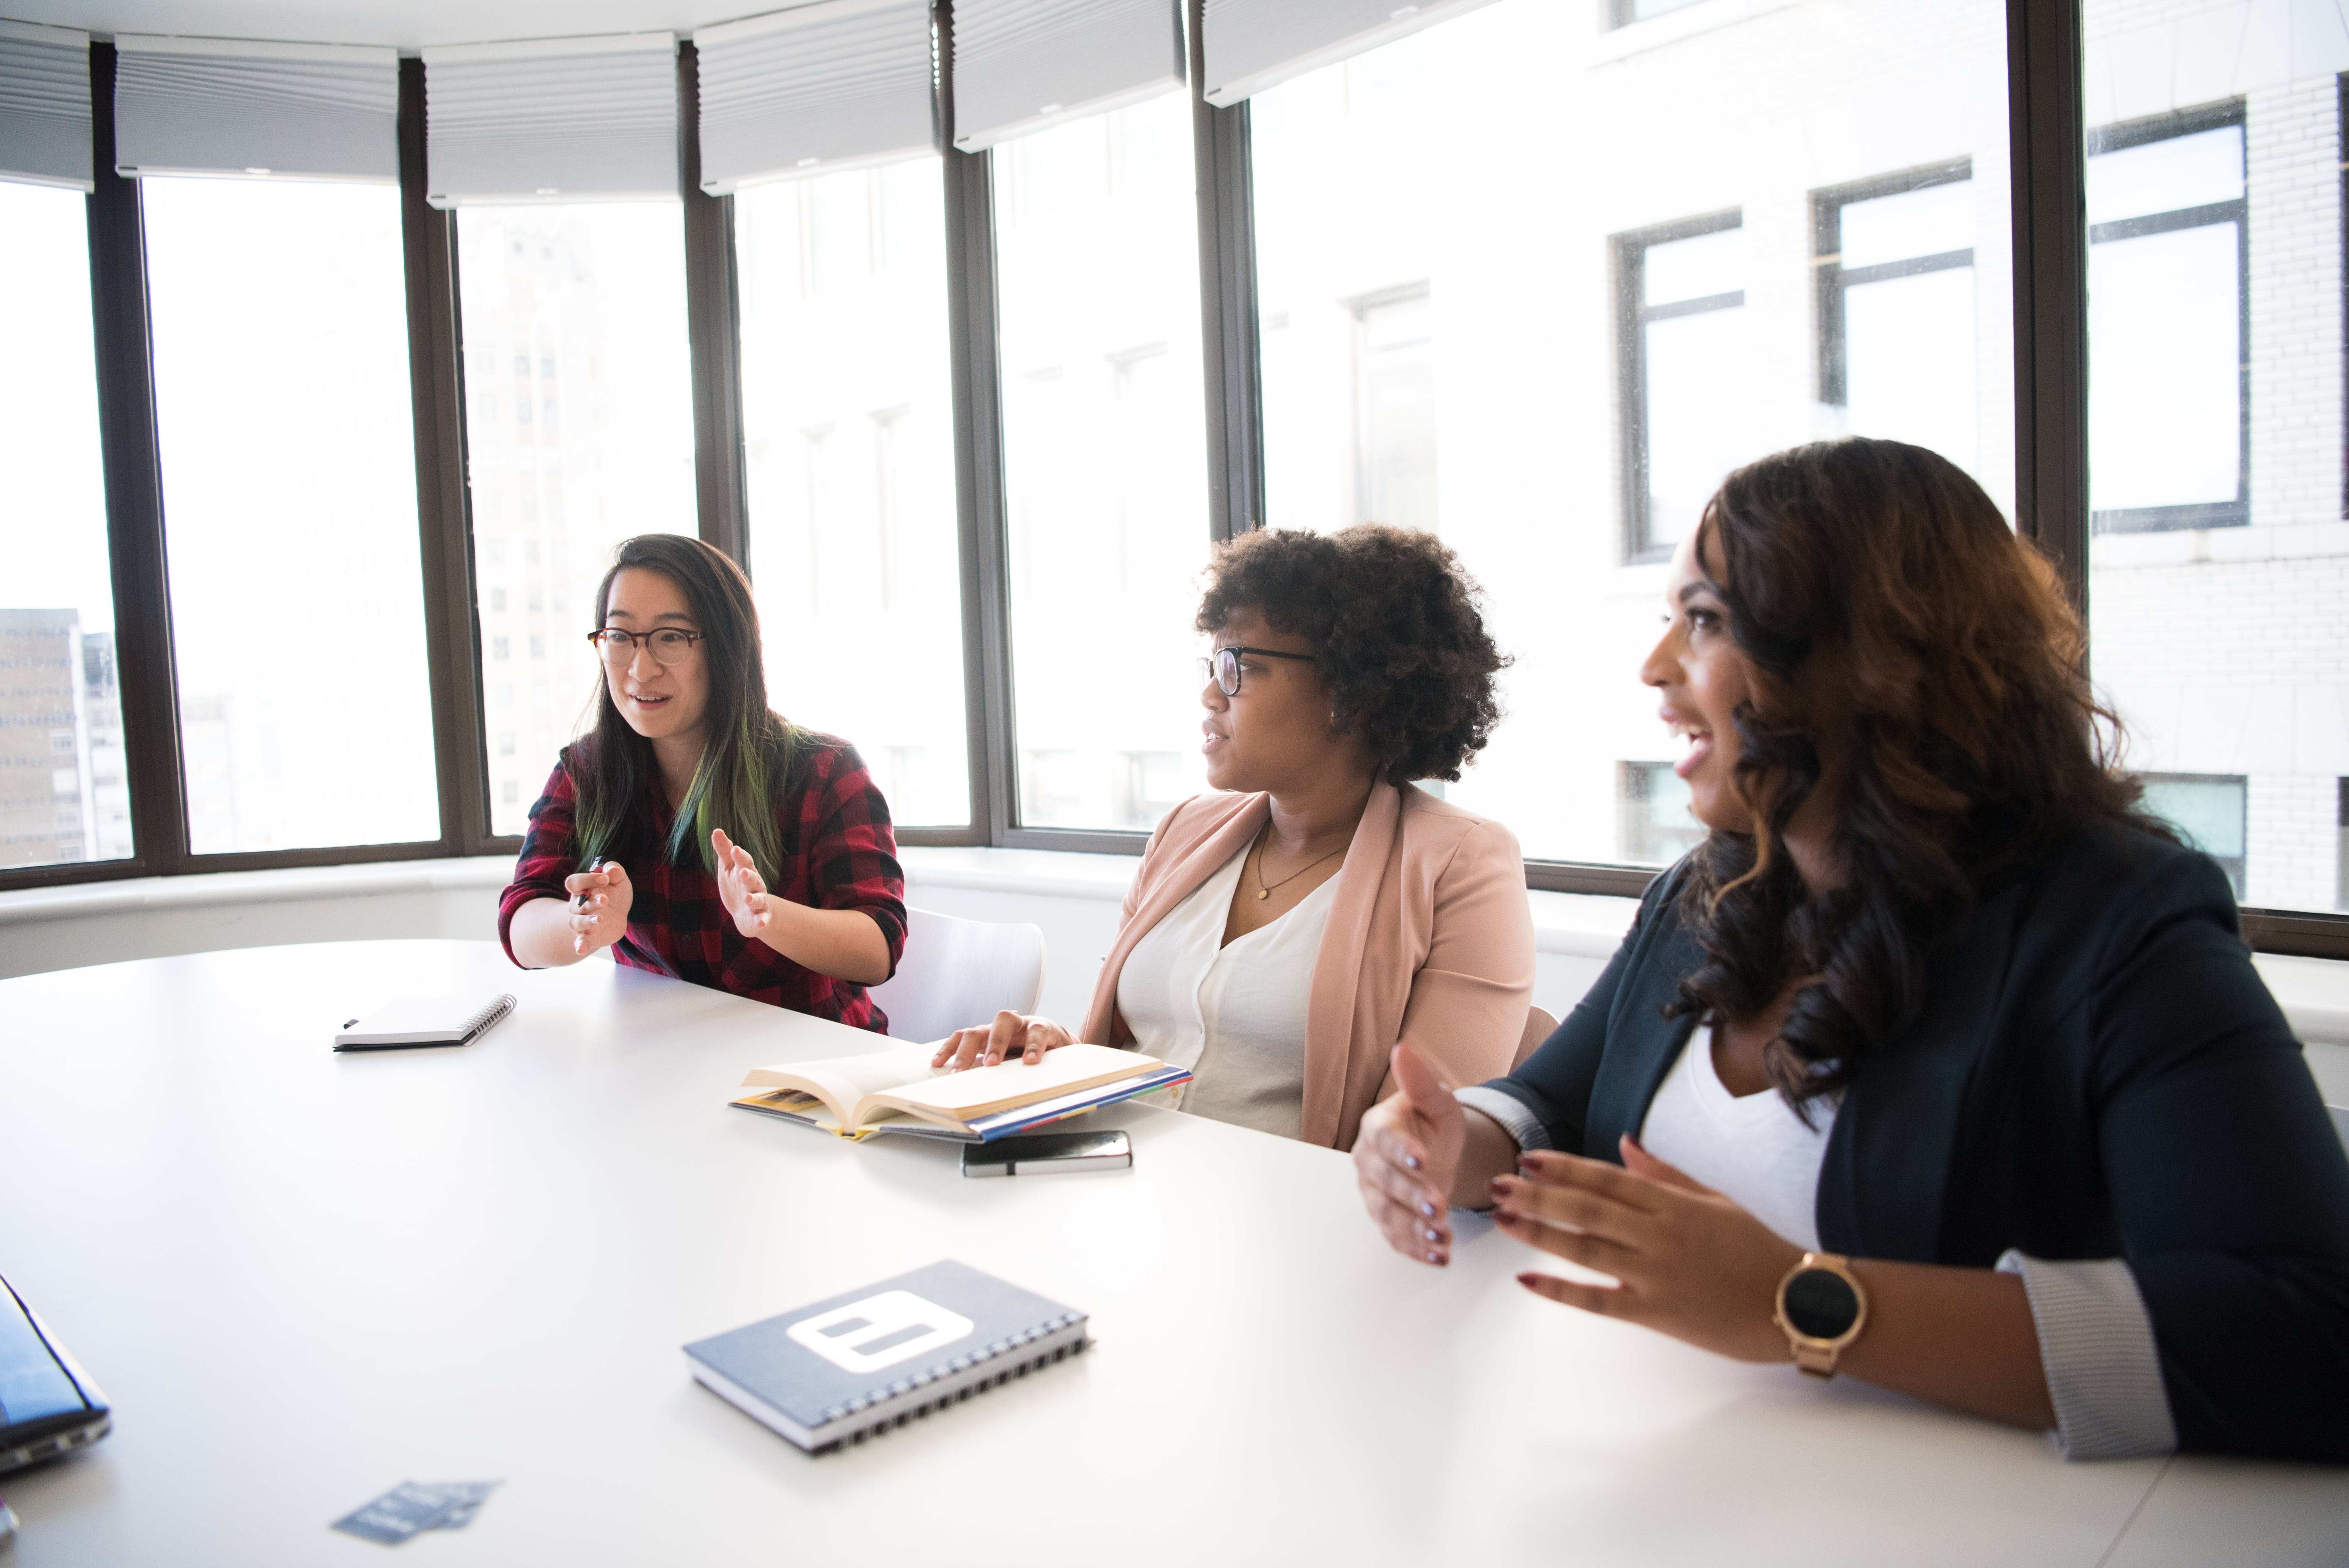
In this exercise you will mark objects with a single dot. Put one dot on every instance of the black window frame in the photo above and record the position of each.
(1628, 275)
(2144, 132)
(2048, 144)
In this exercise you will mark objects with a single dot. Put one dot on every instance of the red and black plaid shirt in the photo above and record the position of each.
(838, 852)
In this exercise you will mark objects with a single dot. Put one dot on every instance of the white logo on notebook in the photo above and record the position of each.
(881, 1322)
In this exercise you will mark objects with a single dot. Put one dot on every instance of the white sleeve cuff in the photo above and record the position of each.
(1515, 1117)
(2095, 1345)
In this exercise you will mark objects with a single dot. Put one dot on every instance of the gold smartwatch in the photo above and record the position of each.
(1822, 1307)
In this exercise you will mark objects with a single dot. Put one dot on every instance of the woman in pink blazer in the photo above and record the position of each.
(1284, 933)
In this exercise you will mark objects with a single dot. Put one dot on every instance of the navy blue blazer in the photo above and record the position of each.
(2097, 1071)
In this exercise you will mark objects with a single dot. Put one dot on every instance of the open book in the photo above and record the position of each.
(897, 1090)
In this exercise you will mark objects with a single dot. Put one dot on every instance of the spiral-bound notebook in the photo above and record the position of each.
(423, 1021)
(838, 1370)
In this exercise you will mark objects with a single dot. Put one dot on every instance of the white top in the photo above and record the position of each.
(1232, 1013)
(1754, 1149)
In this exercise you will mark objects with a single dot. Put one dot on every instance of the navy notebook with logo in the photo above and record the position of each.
(839, 1370)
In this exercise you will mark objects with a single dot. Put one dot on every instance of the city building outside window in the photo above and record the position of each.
(2169, 304)
(1685, 404)
(576, 307)
(1653, 803)
(2210, 813)
(1582, 346)
(1895, 261)
(284, 422)
(65, 792)
(848, 420)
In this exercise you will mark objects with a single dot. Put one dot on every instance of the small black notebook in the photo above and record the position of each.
(841, 1369)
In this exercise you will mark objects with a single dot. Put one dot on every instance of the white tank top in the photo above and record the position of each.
(1751, 1148)
(1234, 1015)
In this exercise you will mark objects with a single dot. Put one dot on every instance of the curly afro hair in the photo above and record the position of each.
(1400, 641)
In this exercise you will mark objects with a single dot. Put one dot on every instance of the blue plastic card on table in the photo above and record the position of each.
(398, 1514)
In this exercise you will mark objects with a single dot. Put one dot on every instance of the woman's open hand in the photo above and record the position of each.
(740, 888)
(600, 900)
(1010, 1034)
(1692, 1264)
(1405, 1157)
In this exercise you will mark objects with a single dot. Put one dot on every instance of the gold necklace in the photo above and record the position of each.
(1263, 892)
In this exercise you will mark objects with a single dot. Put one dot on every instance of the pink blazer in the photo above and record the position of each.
(1430, 942)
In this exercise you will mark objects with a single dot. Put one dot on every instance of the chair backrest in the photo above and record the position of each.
(956, 972)
(2340, 1122)
(1538, 1027)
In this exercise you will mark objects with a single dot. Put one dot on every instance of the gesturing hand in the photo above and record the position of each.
(1010, 1034)
(1405, 1157)
(740, 888)
(1692, 1264)
(599, 906)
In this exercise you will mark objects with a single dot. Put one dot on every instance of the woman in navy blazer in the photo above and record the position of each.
(2073, 1156)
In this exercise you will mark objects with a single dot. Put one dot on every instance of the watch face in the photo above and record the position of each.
(1821, 1304)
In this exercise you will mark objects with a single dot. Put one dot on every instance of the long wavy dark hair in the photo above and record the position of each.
(1893, 622)
(747, 747)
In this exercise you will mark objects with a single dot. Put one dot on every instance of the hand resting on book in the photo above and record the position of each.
(983, 1046)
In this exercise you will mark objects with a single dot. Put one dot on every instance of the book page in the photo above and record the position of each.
(841, 1081)
(957, 1096)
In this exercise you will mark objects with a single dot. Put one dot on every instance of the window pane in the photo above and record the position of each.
(1608, 334)
(848, 421)
(279, 341)
(579, 434)
(63, 795)
(2219, 579)
(1104, 440)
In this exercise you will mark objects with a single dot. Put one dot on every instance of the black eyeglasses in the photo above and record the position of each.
(1224, 668)
(671, 645)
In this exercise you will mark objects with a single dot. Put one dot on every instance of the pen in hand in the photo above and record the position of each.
(579, 939)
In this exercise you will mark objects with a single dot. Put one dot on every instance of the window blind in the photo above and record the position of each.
(1252, 45)
(1021, 65)
(553, 120)
(45, 105)
(223, 106)
(815, 89)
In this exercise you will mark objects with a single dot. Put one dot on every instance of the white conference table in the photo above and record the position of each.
(302, 1278)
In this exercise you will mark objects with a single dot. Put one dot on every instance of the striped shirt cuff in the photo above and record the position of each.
(1515, 1117)
(2095, 1345)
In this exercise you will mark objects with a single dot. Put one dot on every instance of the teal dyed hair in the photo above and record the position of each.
(746, 747)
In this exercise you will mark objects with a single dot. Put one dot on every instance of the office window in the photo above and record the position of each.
(283, 413)
(1685, 401)
(1540, 303)
(2219, 563)
(2169, 302)
(849, 423)
(2210, 813)
(1104, 468)
(63, 792)
(1394, 408)
(1653, 803)
(1895, 260)
(2341, 844)
(573, 315)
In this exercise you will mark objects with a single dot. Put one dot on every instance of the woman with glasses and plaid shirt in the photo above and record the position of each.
(1286, 933)
(695, 832)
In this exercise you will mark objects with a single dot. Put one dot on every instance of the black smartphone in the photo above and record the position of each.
(1040, 1153)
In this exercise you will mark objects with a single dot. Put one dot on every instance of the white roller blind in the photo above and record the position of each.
(214, 105)
(1021, 65)
(1252, 45)
(556, 119)
(815, 89)
(45, 105)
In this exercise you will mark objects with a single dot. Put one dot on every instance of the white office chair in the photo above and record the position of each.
(956, 972)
